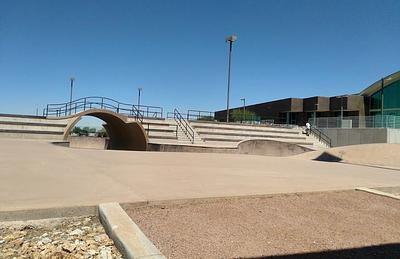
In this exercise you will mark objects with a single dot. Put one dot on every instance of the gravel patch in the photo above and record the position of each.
(274, 225)
(78, 237)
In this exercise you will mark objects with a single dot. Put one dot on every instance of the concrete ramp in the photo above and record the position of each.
(383, 155)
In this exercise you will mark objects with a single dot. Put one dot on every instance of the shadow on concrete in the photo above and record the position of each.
(326, 157)
(378, 251)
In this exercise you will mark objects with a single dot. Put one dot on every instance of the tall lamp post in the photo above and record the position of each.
(72, 79)
(229, 39)
(244, 109)
(138, 101)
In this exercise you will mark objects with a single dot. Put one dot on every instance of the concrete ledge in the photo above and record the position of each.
(127, 236)
(385, 194)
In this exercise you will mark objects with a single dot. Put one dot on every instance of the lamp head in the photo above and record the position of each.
(231, 38)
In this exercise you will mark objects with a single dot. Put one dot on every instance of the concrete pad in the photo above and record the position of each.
(127, 236)
(37, 174)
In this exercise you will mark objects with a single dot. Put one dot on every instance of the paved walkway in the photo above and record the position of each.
(36, 174)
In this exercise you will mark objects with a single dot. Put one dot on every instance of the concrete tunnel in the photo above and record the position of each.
(123, 134)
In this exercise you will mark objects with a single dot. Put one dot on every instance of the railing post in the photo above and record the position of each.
(102, 101)
(84, 104)
(66, 108)
(118, 108)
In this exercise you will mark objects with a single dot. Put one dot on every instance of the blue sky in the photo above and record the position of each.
(175, 50)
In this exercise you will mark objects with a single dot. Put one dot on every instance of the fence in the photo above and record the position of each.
(376, 121)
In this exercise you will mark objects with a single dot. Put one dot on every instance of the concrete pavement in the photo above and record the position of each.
(36, 174)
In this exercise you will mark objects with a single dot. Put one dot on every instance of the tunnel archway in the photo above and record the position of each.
(123, 134)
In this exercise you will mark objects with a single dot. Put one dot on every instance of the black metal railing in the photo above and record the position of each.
(200, 115)
(184, 125)
(92, 102)
(322, 137)
(151, 111)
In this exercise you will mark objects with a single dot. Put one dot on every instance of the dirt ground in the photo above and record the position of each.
(366, 225)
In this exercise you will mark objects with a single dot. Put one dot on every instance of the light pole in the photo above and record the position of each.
(70, 94)
(138, 101)
(244, 109)
(229, 39)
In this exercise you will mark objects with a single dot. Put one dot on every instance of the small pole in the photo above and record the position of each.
(139, 91)
(244, 109)
(70, 94)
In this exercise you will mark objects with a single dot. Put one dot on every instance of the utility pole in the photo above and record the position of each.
(229, 39)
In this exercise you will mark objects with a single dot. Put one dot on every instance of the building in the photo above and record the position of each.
(381, 98)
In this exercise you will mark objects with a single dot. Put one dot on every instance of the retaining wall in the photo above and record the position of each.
(345, 137)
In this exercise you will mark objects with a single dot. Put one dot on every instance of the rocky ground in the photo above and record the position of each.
(79, 237)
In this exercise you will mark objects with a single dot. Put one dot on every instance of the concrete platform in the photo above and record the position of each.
(36, 174)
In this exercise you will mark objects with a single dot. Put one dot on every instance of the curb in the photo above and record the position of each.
(385, 194)
(127, 236)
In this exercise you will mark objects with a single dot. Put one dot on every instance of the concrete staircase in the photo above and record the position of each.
(31, 127)
(166, 131)
(229, 135)
(161, 131)
(216, 134)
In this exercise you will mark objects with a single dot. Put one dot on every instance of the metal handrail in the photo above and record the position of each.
(149, 111)
(321, 136)
(197, 115)
(184, 125)
(92, 102)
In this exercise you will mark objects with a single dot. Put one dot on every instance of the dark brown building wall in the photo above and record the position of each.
(337, 102)
(316, 104)
(269, 110)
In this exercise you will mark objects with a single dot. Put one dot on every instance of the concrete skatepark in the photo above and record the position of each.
(46, 173)
(38, 174)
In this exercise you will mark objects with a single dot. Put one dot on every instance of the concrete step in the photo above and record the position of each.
(241, 137)
(162, 136)
(248, 134)
(31, 119)
(24, 127)
(30, 135)
(209, 125)
(169, 129)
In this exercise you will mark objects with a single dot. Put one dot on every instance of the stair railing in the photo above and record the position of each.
(322, 137)
(184, 125)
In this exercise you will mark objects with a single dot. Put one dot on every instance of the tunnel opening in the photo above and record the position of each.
(119, 133)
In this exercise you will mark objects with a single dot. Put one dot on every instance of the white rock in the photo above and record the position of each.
(100, 238)
(45, 240)
(105, 253)
(76, 232)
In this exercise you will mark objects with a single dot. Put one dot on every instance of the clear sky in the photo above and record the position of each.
(175, 50)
